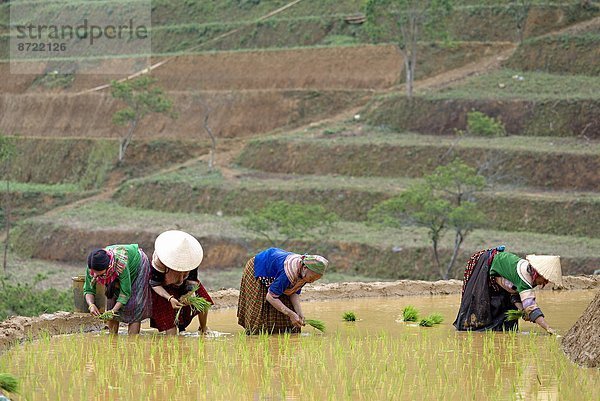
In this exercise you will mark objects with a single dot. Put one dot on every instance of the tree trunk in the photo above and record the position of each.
(7, 211)
(409, 76)
(126, 140)
(436, 256)
(213, 142)
(458, 240)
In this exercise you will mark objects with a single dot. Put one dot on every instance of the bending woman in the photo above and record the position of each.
(124, 270)
(270, 290)
(177, 256)
(496, 282)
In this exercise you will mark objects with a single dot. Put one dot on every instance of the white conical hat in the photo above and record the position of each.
(178, 250)
(548, 266)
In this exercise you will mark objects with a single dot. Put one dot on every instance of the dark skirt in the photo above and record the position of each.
(163, 314)
(484, 304)
(255, 313)
(139, 305)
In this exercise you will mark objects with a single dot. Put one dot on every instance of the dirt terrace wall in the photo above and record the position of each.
(328, 68)
(233, 114)
(536, 170)
(90, 163)
(552, 216)
(70, 244)
(582, 341)
(520, 117)
(559, 54)
(19, 328)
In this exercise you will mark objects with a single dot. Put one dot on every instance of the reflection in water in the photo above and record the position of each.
(375, 358)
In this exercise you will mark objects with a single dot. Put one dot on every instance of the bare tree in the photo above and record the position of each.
(412, 18)
(7, 152)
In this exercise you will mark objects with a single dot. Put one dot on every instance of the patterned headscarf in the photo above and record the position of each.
(117, 261)
(293, 266)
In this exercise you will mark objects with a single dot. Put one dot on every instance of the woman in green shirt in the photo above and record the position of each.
(125, 272)
(496, 282)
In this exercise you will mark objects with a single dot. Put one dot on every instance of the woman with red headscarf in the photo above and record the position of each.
(125, 272)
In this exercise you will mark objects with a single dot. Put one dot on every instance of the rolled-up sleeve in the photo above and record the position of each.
(532, 310)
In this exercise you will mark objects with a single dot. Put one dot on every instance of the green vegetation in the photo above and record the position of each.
(480, 124)
(140, 100)
(290, 221)
(349, 316)
(514, 84)
(197, 304)
(410, 314)
(108, 315)
(431, 320)
(9, 383)
(444, 201)
(317, 324)
(26, 299)
(514, 314)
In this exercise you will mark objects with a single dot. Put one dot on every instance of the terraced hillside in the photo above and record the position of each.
(318, 124)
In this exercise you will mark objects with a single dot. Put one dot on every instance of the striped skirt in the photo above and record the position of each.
(255, 313)
(139, 306)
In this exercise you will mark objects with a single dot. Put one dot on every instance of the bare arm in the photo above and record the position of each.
(277, 304)
(90, 299)
(295, 298)
(175, 304)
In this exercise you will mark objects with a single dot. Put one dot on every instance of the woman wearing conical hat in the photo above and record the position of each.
(269, 298)
(177, 256)
(496, 282)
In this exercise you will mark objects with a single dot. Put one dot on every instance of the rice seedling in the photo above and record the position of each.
(198, 304)
(410, 314)
(514, 314)
(349, 316)
(431, 320)
(108, 315)
(352, 363)
(8, 383)
(317, 324)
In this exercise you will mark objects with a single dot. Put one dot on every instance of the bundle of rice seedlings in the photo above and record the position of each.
(108, 315)
(8, 383)
(317, 324)
(349, 316)
(429, 321)
(514, 314)
(410, 314)
(198, 304)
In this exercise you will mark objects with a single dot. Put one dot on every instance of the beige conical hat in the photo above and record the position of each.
(548, 266)
(178, 250)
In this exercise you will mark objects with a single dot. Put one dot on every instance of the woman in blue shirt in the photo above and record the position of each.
(269, 293)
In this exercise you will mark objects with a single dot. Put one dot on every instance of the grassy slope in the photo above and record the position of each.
(131, 223)
(194, 190)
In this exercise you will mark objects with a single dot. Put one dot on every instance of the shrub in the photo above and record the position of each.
(24, 299)
(480, 124)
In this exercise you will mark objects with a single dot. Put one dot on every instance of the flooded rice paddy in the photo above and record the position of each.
(376, 358)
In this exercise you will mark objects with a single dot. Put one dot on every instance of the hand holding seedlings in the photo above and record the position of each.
(108, 315)
(175, 304)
